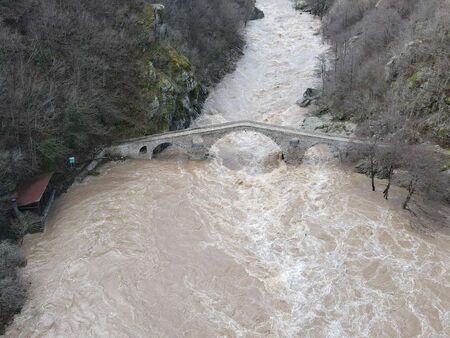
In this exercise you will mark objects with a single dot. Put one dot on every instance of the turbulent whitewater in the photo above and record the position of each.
(241, 245)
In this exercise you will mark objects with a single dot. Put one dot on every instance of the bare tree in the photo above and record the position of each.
(371, 151)
(368, 151)
(321, 69)
(365, 156)
(425, 174)
(389, 157)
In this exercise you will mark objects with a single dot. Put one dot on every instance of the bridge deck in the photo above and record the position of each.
(259, 126)
(241, 124)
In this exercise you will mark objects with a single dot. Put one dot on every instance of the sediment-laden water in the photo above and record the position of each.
(240, 245)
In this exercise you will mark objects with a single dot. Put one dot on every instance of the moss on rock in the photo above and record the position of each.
(148, 18)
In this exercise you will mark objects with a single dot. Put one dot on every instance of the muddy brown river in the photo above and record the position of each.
(241, 245)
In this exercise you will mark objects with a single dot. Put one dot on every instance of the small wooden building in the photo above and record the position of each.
(35, 194)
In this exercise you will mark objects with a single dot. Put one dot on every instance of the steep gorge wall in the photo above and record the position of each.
(208, 32)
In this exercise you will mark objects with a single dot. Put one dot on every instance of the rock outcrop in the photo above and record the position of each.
(257, 14)
(301, 5)
(308, 97)
(174, 95)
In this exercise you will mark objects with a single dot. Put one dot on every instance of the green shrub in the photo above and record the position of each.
(53, 151)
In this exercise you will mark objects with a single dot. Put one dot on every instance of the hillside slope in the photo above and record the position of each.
(390, 64)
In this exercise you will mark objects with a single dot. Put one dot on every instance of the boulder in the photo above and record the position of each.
(301, 5)
(153, 107)
(257, 14)
(151, 72)
(391, 70)
(157, 10)
(308, 97)
(158, 7)
(161, 31)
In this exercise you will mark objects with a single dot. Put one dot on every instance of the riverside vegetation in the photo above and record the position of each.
(388, 71)
(78, 74)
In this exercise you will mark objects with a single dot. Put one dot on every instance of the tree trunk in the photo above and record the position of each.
(372, 172)
(405, 203)
(410, 193)
(373, 180)
(386, 191)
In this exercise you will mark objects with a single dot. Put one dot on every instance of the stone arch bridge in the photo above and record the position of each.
(198, 141)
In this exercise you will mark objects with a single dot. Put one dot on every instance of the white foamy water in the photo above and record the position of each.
(276, 69)
(241, 245)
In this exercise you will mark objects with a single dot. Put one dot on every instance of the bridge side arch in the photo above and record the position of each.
(173, 142)
(147, 149)
(336, 149)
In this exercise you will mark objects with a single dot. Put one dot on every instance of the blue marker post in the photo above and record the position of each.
(71, 162)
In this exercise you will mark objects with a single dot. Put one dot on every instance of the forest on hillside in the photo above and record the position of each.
(389, 64)
(77, 74)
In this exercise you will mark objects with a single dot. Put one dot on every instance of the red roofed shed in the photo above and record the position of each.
(34, 193)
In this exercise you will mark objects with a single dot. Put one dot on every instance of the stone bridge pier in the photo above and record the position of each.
(294, 152)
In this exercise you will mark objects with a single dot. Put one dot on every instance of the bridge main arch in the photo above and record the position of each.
(290, 147)
(263, 135)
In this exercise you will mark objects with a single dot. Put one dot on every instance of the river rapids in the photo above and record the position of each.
(241, 245)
